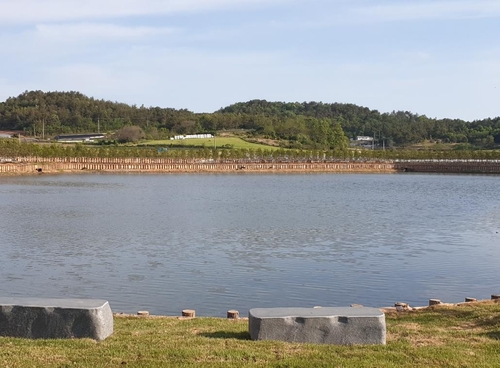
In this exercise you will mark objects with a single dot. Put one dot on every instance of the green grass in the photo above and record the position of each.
(465, 336)
(234, 142)
(426, 145)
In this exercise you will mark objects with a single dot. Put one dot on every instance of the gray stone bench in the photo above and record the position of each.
(339, 326)
(38, 318)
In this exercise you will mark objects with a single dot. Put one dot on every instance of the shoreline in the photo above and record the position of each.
(443, 337)
(30, 166)
(397, 308)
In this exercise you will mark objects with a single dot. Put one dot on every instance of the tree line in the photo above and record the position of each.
(12, 148)
(306, 125)
(397, 128)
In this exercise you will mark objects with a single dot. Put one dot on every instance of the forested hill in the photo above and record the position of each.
(301, 124)
(400, 127)
(73, 112)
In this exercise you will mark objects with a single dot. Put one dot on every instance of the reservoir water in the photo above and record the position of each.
(164, 243)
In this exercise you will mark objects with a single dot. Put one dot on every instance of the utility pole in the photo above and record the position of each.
(43, 128)
(98, 126)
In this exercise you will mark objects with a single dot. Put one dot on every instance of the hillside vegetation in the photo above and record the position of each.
(312, 125)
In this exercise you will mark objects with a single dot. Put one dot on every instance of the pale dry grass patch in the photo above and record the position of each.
(415, 335)
(288, 350)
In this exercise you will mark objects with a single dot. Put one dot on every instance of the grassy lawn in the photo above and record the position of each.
(464, 336)
(209, 143)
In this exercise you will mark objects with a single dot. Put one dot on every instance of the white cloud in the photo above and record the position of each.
(205, 81)
(49, 42)
(34, 11)
(416, 57)
(358, 12)
(417, 10)
(69, 45)
(96, 32)
(97, 79)
(180, 78)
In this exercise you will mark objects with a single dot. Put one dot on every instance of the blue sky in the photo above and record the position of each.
(439, 58)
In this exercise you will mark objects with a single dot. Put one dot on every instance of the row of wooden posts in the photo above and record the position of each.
(234, 314)
(191, 313)
(432, 302)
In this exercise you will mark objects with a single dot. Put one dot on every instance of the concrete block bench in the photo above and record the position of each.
(339, 326)
(38, 318)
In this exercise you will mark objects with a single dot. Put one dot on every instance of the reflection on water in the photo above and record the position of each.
(217, 242)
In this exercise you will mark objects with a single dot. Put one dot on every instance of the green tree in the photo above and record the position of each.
(129, 134)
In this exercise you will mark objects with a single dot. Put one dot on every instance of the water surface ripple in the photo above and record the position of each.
(216, 242)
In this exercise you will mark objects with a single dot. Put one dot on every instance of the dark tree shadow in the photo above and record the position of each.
(477, 319)
(489, 322)
(494, 335)
(226, 335)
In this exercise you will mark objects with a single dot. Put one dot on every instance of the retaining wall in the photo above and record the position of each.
(27, 165)
(169, 165)
(446, 166)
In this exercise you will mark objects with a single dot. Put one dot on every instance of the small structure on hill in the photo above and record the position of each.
(79, 138)
(363, 141)
(191, 136)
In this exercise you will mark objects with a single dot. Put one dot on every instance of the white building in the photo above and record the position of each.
(191, 136)
(363, 138)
